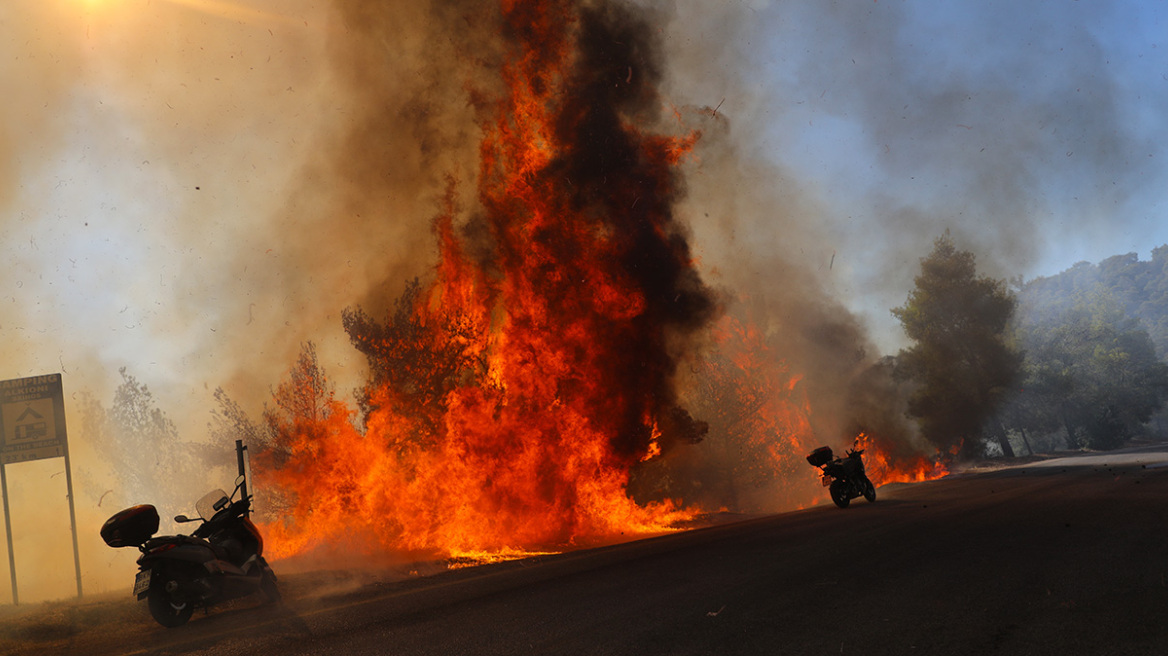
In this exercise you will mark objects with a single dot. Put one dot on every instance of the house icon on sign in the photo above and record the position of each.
(36, 429)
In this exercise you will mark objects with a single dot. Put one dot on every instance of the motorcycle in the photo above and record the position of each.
(222, 559)
(844, 475)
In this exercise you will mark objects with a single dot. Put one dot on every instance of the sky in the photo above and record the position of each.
(1032, 130)
(190, 189)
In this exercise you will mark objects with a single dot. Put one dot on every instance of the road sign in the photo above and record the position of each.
(32, 411)
(32, 427)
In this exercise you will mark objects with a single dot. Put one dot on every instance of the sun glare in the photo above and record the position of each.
(241, 12)
(236, 11)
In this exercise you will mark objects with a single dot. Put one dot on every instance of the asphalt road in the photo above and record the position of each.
(1062, 557)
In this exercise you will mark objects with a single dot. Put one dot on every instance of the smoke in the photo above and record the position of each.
(141, 153)
(1027, 129)
(848, 136)
(192, 189)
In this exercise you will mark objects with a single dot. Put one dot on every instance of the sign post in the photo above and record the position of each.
(32, 427)
(8, 529)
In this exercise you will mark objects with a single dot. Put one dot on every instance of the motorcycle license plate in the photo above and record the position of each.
(142, 582)
(826, 481)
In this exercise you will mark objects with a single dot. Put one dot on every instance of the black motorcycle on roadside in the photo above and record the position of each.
(844, 477)
(220, 560)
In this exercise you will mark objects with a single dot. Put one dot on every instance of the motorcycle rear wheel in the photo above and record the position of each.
(165, 609)
(839, 494)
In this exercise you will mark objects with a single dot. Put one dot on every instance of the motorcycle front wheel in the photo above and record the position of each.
(869, 491)
(839, 494)
(165, 609)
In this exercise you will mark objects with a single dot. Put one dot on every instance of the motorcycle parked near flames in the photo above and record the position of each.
(844, 477)
(220, 560)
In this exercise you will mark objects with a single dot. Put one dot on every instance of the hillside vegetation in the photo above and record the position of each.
(1094, 340)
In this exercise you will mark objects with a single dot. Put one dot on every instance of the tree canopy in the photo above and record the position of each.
(960, 364)
(415, 358)
(1139, 290)
(1091, 369)
(142, 446)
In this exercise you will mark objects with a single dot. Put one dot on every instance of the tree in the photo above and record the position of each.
(416, 356)
(142, 446)
(301, 405)
(1138, 288)
(303, 411)
(961, 366)
(304, 399)
(1094, 370)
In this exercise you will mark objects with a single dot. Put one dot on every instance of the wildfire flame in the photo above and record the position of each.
(554, 353)
(882, 468)
(513, 399)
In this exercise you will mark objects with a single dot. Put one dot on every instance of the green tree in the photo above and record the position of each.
(1138, 288)
(961, 366)
(1033, 409)
(1095, 370)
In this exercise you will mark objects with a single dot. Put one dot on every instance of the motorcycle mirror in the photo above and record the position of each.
(238, 485)
(182, 519)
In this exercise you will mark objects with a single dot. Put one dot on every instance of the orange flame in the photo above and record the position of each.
(513, 398)
(882, 468)
(760, 426)
(551, 370)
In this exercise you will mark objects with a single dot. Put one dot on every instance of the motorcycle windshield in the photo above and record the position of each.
(206, 505)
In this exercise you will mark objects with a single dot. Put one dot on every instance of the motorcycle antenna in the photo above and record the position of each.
(240, 451)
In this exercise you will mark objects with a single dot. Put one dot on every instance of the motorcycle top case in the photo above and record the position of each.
(820, 456)
(130, 527)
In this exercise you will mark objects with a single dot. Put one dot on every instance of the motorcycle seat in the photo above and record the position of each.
(174, 539)
(219, 553)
